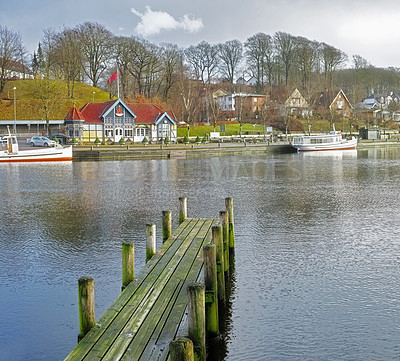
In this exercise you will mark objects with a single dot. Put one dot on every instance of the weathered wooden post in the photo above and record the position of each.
(229, 209)
(150, 241)
(128, 263)
(217, 240)
(166, 225)
(86, 305)
(181, 349)
(196, 319)
(183, 209)
(223, 216)
(211, 289)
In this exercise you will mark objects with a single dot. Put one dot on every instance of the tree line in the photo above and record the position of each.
(184, 78)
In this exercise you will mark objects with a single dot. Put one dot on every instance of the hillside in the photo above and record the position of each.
(29, 106)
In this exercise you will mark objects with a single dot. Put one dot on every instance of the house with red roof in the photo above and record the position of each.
(113, 120)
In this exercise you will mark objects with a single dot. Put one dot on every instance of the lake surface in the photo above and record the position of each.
(317, 269)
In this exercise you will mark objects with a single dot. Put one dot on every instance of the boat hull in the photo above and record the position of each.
(42, 155)
(345, 145)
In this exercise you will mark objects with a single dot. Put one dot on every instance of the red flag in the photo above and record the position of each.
(114, 76)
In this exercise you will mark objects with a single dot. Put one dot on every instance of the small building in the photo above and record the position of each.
(113, 120)
(369, 133)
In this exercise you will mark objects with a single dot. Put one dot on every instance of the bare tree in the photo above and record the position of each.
(203, 59)
(286, 51)
(97, 49)
(307, 57)
(50, 93)
(332, 59)
(171, 59)
(260, 58)
(144, 64)
(11, 50)
(230, 55)
(68, 58)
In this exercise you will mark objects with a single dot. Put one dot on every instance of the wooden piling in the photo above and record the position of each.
(128, 263)
(223, 216)
(86, 305)
(181, 349)
(166, 225)
(216, 239)
(150, 241)
(183, 209)
(231, 235)
(211, 289)
(196, 319)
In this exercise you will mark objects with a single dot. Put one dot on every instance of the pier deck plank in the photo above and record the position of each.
(146, 316)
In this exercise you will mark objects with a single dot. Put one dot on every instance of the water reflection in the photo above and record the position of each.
(316, 273)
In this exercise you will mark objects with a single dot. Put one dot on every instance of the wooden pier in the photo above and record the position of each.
(169, 308)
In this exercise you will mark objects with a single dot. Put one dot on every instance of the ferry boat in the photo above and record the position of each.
(331, 141)
(9, 152)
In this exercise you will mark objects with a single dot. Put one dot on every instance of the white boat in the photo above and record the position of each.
(10, 152)
(332, 141)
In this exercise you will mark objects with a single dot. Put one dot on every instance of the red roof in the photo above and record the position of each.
(74, 114)
(92, 112)
(148, 113)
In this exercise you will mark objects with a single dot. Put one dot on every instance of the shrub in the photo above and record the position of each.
(197, 139)
(145, 140)
(166, 140)
(185, 139)
(121, 141)
(97, 141)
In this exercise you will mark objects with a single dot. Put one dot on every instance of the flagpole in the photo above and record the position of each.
(117, 82)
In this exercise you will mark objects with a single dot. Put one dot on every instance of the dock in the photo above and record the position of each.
(173, 300)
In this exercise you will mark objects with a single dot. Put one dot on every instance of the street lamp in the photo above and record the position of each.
(15, 112)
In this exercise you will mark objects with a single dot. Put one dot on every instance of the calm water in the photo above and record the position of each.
(317, 249)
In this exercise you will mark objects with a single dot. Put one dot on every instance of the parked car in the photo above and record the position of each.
(62, 138)
(42, 142)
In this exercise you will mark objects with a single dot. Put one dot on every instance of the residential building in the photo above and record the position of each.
(231, 102)
(16, 70)
(297, 105)
(334, 102)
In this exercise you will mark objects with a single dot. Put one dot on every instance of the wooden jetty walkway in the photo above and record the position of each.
(175, 295)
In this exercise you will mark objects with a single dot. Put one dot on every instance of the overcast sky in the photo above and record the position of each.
(368, 28)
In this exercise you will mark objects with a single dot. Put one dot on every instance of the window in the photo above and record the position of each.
(339, 104)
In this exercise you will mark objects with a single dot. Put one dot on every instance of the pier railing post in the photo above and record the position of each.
(196, 319)
(183, 209)
(229, 209)
(223, 216)
(211, 289)
(86, 305)
(216, 239)
(181, 349)
(166, 225)
(150, 241)
(128, 263)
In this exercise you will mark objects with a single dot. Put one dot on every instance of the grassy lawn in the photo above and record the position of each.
(231, 129)
(29, 106)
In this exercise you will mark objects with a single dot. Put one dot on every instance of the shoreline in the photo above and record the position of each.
(180, 151)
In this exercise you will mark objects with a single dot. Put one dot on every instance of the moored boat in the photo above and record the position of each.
(10, 152)
(332, 141)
